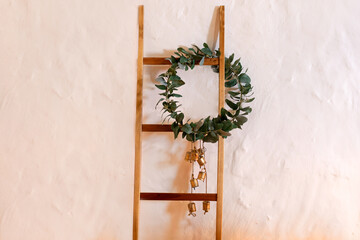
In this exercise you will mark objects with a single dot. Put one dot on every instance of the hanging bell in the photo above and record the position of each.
(194, 182)
(192, 156)
(201, 160)
(206, 206)
(201, 151)
(188, 156)
(192, 209)
(202, 175)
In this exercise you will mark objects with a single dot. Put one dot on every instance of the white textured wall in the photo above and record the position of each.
(67, 114)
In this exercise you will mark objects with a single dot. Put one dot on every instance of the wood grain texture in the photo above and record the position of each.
(220, 167)
(139, 105)
(178, 196)
(156, 128)
(163, 61)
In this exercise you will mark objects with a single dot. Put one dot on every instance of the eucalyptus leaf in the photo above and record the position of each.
(181, 66)
(211, 137)
(175, 95)
(198, 125)
(190, 137)
(246, 109)
(218, 126)
(180, 118)
(244, 78)
(172, 106)
(223, 112)
(215, 68)
(231, 58)
(161, 87)
(202, 61)
(232, 93)
(192, 64)
(230, 83)
(228, 75)
(183, 59)
(174, 77)
(249, 100)
(183, 51)
(227, 126)
(161, 80)
(223, 133)
(193, 50)
(207, 51)
(199, 136)
(160, 100)
(186, 128)
(231, 104)
(241, 119)
(176, 129)
(178, 83)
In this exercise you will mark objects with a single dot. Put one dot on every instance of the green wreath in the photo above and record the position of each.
(238, 92)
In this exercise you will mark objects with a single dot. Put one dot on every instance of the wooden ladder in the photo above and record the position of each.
(139, 128)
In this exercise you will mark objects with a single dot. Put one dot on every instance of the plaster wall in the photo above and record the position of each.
(67, 114)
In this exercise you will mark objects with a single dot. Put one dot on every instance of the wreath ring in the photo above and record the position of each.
(237, 84)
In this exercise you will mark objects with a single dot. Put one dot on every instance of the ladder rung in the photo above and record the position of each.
(178, 196)
(163, 61)
(156, 128)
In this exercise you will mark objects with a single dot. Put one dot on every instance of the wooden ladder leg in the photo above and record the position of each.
(138, 125)
(220, 168)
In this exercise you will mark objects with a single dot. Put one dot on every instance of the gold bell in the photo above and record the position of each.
(194, 182)
(201, 161)
(202, 175)
(192, 209)
(194, 155)
(206, 206)
(191, 156)
(201, 151)
(188, 156)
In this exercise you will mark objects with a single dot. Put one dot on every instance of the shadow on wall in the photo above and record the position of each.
(179, 185)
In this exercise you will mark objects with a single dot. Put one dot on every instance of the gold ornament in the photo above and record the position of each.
(192, 209)
(192, 156)
(201, 150)
(188, 156)
(206, 206)
(201, 160)
(202, 175)
(194, 182)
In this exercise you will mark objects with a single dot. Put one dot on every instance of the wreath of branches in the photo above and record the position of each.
(238, 92)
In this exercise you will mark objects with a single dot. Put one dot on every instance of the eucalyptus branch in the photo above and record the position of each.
(208, 129)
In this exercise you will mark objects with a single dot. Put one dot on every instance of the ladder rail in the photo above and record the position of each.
(164, 61)
(138, 125)
(156, 128)
(178, 196)
(220, 163)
